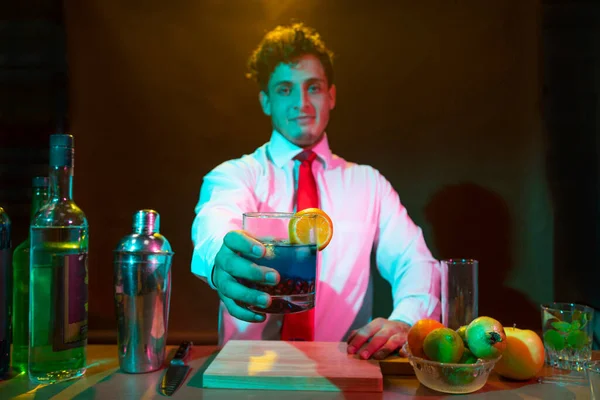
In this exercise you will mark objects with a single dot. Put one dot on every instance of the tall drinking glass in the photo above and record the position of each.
(460, 293)
(592, 369)
(296, 262)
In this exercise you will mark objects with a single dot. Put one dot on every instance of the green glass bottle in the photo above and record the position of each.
(58, 289)
(20, 317)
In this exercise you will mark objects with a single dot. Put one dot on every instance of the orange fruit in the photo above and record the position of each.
(301, 227)
(444, 345)
(417, 334)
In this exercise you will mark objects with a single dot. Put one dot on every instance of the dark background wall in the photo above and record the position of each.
(571, 104)
(444, 98)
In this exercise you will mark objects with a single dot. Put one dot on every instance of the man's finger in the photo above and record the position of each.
(394, 343)
(242, 242)
(364, 334)
(239, 267)
(229, 287)
(240, 312)
(377, 341)
(351, 336)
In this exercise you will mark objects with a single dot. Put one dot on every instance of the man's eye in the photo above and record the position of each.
(284, 91)
(316, 88)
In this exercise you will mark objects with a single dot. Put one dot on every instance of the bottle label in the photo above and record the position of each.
(71, 309)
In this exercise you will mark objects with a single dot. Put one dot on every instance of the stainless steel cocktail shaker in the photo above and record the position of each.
(142, 278)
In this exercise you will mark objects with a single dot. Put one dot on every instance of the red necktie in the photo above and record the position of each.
(301, 326)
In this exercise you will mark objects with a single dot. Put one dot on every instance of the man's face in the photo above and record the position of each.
(299, 100)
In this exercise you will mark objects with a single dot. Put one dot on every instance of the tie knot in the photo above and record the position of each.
(306, 155)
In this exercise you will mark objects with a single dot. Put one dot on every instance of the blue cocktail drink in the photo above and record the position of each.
(295, 262)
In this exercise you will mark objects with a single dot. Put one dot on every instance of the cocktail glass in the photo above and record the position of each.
(295, 262)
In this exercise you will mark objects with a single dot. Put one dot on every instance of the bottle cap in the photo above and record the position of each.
(61, 140)
(61, 150)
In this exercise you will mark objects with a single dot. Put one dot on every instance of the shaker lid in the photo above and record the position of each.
(146, 221)
(145, 237)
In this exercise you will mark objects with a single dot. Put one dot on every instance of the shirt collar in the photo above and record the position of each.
(282, 150)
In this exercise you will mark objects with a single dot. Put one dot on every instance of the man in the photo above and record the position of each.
(294, 71)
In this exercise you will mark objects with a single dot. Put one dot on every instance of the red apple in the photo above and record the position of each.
(523, 357)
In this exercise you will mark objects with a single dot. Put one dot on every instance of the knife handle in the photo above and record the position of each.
(182, 353)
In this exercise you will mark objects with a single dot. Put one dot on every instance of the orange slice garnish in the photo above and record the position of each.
(301, 228)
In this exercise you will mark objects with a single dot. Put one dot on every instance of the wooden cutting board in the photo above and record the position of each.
(396, 365)
(280, 365)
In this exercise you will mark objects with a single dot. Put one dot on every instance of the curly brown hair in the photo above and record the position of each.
(285, 44)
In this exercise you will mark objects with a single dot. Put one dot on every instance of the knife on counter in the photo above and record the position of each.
(177, 370)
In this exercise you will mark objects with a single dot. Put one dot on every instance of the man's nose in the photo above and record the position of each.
(302, 99)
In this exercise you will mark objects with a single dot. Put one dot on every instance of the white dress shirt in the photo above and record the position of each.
(367, 216)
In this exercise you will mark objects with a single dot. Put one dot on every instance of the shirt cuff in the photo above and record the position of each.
(203, 263)
(412, 309)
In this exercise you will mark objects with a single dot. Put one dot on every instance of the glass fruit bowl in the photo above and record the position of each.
(448, 377)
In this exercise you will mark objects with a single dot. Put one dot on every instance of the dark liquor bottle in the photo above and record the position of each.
(5, 293)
